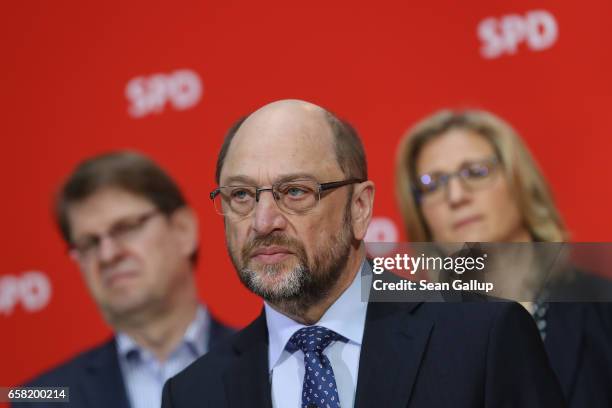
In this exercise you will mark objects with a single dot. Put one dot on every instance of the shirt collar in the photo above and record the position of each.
(195, 338)
(346, 316)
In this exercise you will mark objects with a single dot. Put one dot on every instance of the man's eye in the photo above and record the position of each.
(124, 228)
(295, 190)
(85, 245)
(240, 194)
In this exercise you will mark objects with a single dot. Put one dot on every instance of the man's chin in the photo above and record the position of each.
(127, 306)
(273, 280)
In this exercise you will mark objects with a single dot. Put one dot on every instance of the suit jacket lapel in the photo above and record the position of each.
(393, 344)
(564, 335)
(217, 332)
(102, 383)
(247, 383)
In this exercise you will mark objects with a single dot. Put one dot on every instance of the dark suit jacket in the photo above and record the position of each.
(429, 355)
(579, 345)
(94, 376)
(579, 337)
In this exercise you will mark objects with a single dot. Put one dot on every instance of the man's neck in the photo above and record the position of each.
(161, 332)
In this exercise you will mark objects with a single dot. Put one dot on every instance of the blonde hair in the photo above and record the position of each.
(534, 199)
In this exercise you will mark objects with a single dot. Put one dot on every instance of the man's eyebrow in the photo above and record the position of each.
(295, 176)
(241, 180)
(125, 219)
(248, 181)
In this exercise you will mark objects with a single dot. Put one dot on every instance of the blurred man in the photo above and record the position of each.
(294, 192)
(135, 240)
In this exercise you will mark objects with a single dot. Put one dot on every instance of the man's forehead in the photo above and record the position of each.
(104, 207)
(280, 140)
(290, 121)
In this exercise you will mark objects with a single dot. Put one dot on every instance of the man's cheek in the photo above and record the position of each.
(308, 251)
(231, 234)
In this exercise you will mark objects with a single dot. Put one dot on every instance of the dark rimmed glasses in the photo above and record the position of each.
(120, 232)
(292, 197)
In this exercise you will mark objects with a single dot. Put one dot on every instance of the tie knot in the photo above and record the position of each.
(312, 338)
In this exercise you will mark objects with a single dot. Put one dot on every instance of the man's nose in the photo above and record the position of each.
(456, 191)
(267, 215)
(108, 249)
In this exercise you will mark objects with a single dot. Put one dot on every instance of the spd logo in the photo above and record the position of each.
(31, 289)
(181, 89)
(537, 29)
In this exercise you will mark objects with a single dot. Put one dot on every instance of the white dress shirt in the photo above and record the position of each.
(346, 316)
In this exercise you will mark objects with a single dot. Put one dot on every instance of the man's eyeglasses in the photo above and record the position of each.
(292, 197)
(122, 232)
(474, 175)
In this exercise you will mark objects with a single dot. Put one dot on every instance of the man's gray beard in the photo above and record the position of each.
(304, 285)
(286, 288)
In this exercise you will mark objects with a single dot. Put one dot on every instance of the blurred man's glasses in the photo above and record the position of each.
(474, 175)
(291, 197)
(122, 232)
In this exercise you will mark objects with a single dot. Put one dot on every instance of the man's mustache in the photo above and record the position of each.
(280, 240)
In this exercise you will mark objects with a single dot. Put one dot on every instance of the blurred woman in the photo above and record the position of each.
(466, 176)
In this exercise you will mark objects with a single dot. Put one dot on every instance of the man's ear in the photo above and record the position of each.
(185, 224)
(361, 208)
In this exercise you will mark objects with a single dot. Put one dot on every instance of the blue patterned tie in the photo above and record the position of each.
(319, 389)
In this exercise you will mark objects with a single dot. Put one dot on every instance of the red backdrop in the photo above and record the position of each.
(168, 78)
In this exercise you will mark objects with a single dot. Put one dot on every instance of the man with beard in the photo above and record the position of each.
(296, 200)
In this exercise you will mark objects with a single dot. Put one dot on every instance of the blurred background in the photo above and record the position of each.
(168, 79)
